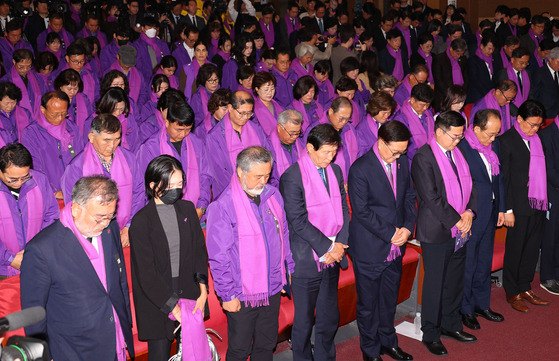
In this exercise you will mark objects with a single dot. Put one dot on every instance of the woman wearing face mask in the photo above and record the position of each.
(159, 85)
(188, 74)
(168, 258)
(168, 67)
(80, 107)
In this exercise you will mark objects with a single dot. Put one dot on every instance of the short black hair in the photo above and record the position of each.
(22, 54)
(506, 85)
(181, 113)
(68, 77)
(75, 49)
(538, 19)
(10, 90)
(423, 93)
(345, 83)
(323, 67)
(15, 154)
(302, 87)
(546, 44)
(159, 172)
(169, 97)
(520, 52)
(346, 32)
(323, 134)
(108, 80)
(57, 94)
(512, 40)
(531, 108)
(109, 100)
(393, 34)
(205, 73)
(482, 116)
(449, 119)
(348, 64)
(394, 131)
(13, 25)
(237, 100)
(459, 45)
(245, 72)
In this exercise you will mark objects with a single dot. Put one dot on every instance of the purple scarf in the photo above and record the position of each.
(8, 234)
(349, 142)
(300, 70)
(224, 56)
(398, 71)
(86, 33)
(487, 59)
(429, 63)
(537, 40)
(63, 34)
(282, 163)
(329, 86)
(134, 80)
(154, 97)
(120, 173)
(34, 84)
(458, 191)
(254, 275)
(537, 176)
(491, 102)
(194, 340)
(58, 53)
(486, 150)
(267, 120)
(97, 260)
(457, 77)
(191, 72)
(289, 24)
(512, 28)
(407, 37)
(316, 196)
(394, 250)
(268, 34)
(522, 93)
(300, 107)
(172, 79)
(214, 47)
(192, 191)
(249, 137)
(540, 61)
(22, 120)
(478, 38)
(373, 125)
(504, 58)
(59, 132)
(417, 130)
(204, 99)
(76, 17)
(153, 43)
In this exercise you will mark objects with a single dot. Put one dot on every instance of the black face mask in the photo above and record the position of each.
(171, 196)
(121, 42)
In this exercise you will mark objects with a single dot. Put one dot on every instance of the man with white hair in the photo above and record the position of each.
(545, 84)
(248, 252)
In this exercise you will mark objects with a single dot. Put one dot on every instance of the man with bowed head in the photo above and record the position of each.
(312, 188)
(75, 270)
(446, 205)
(286, 141)
(249, 255)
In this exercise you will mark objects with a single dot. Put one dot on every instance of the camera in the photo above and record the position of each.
(57, 6)
(25, 348)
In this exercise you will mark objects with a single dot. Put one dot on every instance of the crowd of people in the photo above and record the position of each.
(151, 121)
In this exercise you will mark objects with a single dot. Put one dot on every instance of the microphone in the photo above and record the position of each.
(23, 318)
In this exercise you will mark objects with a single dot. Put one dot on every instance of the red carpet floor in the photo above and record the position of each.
(522, 336)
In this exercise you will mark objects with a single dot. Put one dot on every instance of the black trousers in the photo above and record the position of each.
(253, 331)
(443, 287)
(377, 287)
(521, 253)
(320, 294)
(159, 349)
(549, 263)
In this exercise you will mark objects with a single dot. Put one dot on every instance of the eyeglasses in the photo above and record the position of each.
(507, 98)
(101, 219)
(244, 114)
(213, 80)
(21, 180)
(57, 115)
(23, 67)
(532, 125)
(395, 154)
(292, 134)
(490, 135)
(454, 139)
(77, 62)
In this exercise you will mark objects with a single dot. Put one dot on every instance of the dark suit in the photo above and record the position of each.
(503, 31)
(375, 215)
(57, 274)
(200, 23)
(483, 81)
(479, 249)
(387, 62)
(379, 38)
(442, 74)
(549, 264)
(529, 44)
(523, 240)
(544, 89)
(312, 290)
(443, 284)
(35, 26)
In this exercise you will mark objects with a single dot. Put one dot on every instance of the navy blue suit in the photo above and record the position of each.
(387, 62)
(544, 89)
(57, 275)
(479, 249)
(376, 214)
(483, 81)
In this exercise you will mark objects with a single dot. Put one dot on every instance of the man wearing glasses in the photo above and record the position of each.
(286, 142)
(53, 140)
(419, 74)
(27, 205)
(446, 206)
(235, 132)
(75, 58)
(75, 270)
(500, 99)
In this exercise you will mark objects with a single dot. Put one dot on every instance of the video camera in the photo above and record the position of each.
(19, 347)
(57, 6)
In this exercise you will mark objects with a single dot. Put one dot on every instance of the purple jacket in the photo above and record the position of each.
(148, 109)
(365, 137)
(220, 166)
(10, 125)
(149, 127)
(19, 210)
(312, 114)
(7, 51)
(74, 172)
(108, 55)
(143, 60)
(32, 95)
(229, 79)
(6, 137)
(181, 55)
(201, 130)
(403, 92)
(150, 149)
(132, 133)
(144, 86)
(284, 86)
(196, 104)
(42, 40)
(223, 244)
(48, 155)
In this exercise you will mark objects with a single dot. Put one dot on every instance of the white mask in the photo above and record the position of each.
(150, 33)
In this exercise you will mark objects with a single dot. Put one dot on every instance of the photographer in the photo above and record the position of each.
(309, 35)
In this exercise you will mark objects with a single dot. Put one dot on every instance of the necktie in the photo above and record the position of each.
(194, 21)
(90, 239)
(556, 78)
(423, 120)
(268, 27)
(323, 176)
(320, 26)
(453, 165)
(293, 22)
(176, 19)
(390, 175)
(519, 81)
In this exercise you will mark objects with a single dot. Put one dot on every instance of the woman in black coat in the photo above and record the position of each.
(168, 256)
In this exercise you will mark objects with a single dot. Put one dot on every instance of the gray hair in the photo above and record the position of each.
(385, 81)
(459, 45)
(304, 49)
(96, 186)
(554, 53)
(255, 154)
(290, 116)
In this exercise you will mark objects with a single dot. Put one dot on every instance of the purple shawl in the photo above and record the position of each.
(326, 87)
(81, 114)
(289, 25)
(192, 191)
(22, 120)
(173, 79)
(268, 34)
(63, 34)
(429, 63)
(537, 174)
(8, 234)
(537, 40)
(59, 132)
(191, 72)
(300, 107)
(120, 173)
(102, 40)
(316, 204)
(504, 58)
(487, 59)
(513, 29)
(419, 135)
(267, 120)
(249, 137)
(134, 80)
(194, 340)
(373, 125)
(406, 37)
(540, 61)
(523, 92)
(486, 150)
(34, 84)
(457, 77)
(300, 70)
(398, 71)
(458, 191)
(282, 163)
(224, 56)
(478, 38)
(252, 246)
(349, 145)
(491, 102)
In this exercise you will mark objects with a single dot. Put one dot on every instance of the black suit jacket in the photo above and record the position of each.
(442, 74)
(503, 31)
(35, 26)
(387, 62)
(200, 22)
(57, 274)
(515, 163)
(483, 81)
(435, 216)
(378, 38)
(303, 236)
(544, 89)
(550, 141)
(376, 212)
(152, 284)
